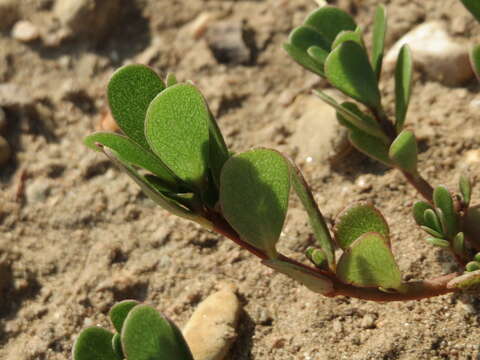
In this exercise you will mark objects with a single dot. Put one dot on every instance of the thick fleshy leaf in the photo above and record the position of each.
(432, 232)
(177, 130)
(378, 41)
(438, 242)
(352, 117)
(254, 192)
(469, 281)
(357, 220)
(94, 343)
(472, 266)
(432, 221)
(369, 262)
(299, 41)
(474, 7)
(458, 244)
(218, 152)
(312, 280)
(146, 335)
(130, 91)
(329, 21)
(348, 36)
(317, 257)
(117, 346)
(349, 70)
(419, 211)
(316, 219)
(443, 200)
(152, 192)
(475, 60)
(471, 225)
(404, 152)
(465, 187)
(171, 79)
(119, 312)
(318, 54)
(403, 85)
(129, 151)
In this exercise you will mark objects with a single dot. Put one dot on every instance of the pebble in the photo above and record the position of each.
(211, 330)
(436, 53)
(37, 191)
(13, 95)
(368, 322)
(472, 157)
(8, 13)
(316, 129)
(5, 151)
(199, 25)
(24, 31)
(91, 18)
(226, 41)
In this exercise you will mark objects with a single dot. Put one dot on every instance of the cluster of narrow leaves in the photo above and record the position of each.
(141, 333)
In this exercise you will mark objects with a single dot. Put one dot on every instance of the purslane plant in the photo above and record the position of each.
(173, 148)
(141, 333)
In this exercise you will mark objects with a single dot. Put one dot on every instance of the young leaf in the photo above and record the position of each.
(254, 192)
(117, 346)
(129, 151)
(130, 91)
(475, 60)
(432, 221)
(344, 36)
(312, 280)
(403, 152)
(317, 222)
(357, 220)
(378, 43)
(432, 232)
(349, 70)
(94, 343)
(443, 200)
(419, 211)
(474, 7)
(465, 187)
(177, 130)
(299, 41)
(318, 54)
(403, 85)
(146, 335)
(353, 118)
(438, 242)
(171, 79)
(458, 244)
(369, 262)
(119, 312)
(329, 21)
(317, 257)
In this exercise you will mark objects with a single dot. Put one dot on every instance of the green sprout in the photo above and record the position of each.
(174, 150)
(141, 333)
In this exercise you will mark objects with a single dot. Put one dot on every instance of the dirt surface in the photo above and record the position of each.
(76, 235)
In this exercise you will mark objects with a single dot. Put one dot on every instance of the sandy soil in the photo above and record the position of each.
(76, 235)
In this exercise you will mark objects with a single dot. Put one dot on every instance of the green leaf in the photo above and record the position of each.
(472, 266)
(254, 192)
(378, 41)
(432, 221)
(352, 117)
(458, 244)
(146, 335)
(159, 198)
(419, 211)
(403, 85)
(369, 262)
(117, 346)
(119, 312)
(475, 60)
(474, 7)
(438, 242)
(465, 186)
(317, 257)
(299, 41)
(177, 130)
(316, 219)
(218, 152)
(171, 79)
(431, 231)
(329, 21)
(312, 280)
(443, 200)
(469, 281)
(344, 36)
(357, 220)
(349, 70)
(94, 343)
(477, 256)
(404, 152)
(129, 151)
(318, 54)
(130, 91)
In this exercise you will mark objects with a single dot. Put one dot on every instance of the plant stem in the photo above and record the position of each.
(422, 186)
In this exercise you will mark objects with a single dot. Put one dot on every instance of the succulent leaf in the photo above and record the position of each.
(419, 212)
(378, 43)
(403, 85)
(474, 7)
(465, 187)
(475, 60)
(119, 312)
(432, 221)
(438, 242)
(94, 343)
(329, 21)
(404, 152)
(348, 35)
(443, 201)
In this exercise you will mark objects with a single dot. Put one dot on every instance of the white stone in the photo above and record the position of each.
(25, 31)
(436, 53)
(211, 330)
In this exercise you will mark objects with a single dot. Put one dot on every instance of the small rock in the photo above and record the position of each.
(13, 95)
(211, 330)
(472, 157)
(5, 151)
(91, 18)
(316, 130)
(436, 53)
(226, 39)
(8, 13)
(368, 322)
(199, 25)
(25, 31)
(3, 121)
(37, 191)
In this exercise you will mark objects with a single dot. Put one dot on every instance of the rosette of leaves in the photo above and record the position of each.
(141, 333)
